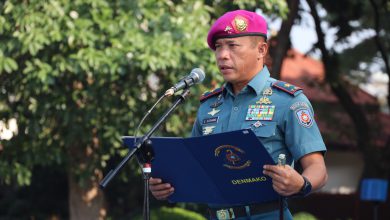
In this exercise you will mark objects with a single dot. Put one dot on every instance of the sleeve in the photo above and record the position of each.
(302, 135)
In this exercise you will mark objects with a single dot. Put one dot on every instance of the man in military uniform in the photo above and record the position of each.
(278, 113)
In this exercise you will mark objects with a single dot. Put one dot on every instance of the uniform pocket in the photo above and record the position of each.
(265, 129)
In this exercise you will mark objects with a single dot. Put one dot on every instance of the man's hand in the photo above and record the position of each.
(160, 190)
(285, 180)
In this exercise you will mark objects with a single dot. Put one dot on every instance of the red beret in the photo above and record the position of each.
(237, 24)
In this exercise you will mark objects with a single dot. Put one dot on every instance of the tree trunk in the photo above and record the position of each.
(380, 46)
(283, 39)
(362, 127)
(85, 203)
(86, 200)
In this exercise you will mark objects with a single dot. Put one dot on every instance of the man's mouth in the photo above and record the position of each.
(224, 67)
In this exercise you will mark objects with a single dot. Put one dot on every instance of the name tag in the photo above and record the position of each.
(210, 120)
(260, 112)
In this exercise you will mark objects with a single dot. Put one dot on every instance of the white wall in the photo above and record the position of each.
(344, 171)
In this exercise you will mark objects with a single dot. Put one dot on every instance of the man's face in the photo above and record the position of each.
(238, 59)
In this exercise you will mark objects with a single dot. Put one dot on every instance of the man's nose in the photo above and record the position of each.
(222, 53)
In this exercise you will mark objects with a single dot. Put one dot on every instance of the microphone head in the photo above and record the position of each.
(198, 75)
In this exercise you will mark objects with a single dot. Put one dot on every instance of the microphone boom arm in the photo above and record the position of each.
(142, 140)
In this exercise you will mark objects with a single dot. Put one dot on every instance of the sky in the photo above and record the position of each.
(303, 35)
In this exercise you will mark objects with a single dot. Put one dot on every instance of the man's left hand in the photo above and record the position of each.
(285, 180)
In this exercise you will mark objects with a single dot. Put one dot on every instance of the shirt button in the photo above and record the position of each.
(235, 108)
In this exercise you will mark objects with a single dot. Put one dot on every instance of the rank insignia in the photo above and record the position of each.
(208, 130)
(260, 112)
(267, 91)
(208, 95)
(286, 87)
(264, 100)
(304, 117)
(214, 112)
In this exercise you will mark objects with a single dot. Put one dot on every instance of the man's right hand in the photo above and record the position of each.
(160, 190)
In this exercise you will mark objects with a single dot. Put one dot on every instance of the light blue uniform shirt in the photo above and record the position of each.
(290, 129)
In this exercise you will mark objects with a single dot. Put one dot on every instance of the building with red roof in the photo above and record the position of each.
(340, 197)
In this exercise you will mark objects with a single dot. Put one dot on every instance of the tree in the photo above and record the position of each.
(77, 75)
(381, 10)
(338, 65)
(278, 52)
(72, 76)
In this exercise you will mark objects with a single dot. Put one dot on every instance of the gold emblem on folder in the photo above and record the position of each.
(233, 157)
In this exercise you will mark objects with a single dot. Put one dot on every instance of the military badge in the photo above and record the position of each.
(240, 24)
(260, 112)
(214, 112)
(208, 130)
(228, 29)
(257, 124)
(264, 100)
(218, 102)
(267, 91)
(304, 117)
(215, 104)
(297, 105)
(232, 156)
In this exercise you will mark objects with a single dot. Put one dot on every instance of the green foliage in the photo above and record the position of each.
(77, 75)
(165, 213)
(276, 6)
(304, 216)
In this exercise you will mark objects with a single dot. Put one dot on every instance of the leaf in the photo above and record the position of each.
(8, 6)
(81, 82)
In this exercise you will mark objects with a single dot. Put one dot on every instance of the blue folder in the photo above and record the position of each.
(224, 168)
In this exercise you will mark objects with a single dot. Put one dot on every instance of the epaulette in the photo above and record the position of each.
(207, 95)
(286, 87)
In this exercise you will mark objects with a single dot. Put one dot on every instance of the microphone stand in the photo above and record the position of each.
(144, 151)
(281, 162)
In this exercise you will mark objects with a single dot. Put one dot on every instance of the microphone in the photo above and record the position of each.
(196, 76)
(282, 160)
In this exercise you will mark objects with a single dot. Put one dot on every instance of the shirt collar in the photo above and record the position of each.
(257, 83)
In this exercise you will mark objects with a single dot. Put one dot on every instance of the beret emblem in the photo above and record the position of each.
(228, 29)
(240, 23)
(237, 23)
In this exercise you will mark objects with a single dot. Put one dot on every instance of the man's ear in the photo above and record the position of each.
(262, 48)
